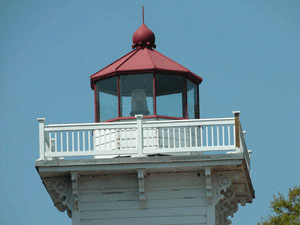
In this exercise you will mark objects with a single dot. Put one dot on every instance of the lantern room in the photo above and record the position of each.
(145, 82)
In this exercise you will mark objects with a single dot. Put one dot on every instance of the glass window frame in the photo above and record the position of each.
(155, 75)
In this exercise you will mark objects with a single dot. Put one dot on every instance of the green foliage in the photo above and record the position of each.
(286, 211)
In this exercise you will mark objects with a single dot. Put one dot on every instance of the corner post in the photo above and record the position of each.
(42, 137)
(237, 128)
(139, 135)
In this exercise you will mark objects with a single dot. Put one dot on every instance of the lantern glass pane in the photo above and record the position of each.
(136, 94)
(170, 95)
(108, 98)
(192, 100)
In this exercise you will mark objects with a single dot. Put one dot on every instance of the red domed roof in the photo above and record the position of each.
(143, 59)
(143, 37)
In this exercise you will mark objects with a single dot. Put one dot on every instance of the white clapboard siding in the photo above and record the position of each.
(130, 213)
(191, 220)
(170, 199)
(160, 203)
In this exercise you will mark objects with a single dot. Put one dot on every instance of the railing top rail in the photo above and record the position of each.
(198, 122)
(191, 120)
(90, 124)
(134, 122)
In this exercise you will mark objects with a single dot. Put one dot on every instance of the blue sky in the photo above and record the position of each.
(248, 53)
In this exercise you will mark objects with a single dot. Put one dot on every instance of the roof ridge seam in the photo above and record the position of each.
(136, 50)
(112, 63)
(151, 59)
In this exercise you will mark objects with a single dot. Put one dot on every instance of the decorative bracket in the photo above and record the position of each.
(60, 190)
(64, 192)
(208, 185)
(226, 202)
(227, 206)
(224, 182)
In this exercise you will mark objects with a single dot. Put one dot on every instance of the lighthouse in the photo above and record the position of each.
(148, 158)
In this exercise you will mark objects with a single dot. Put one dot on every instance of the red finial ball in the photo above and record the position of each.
(143, 37)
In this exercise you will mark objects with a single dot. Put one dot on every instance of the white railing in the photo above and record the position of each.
(142, 137)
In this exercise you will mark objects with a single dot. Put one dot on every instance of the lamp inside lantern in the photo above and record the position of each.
(139, 102)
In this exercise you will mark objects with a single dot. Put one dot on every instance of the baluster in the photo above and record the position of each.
(110, 139)
(174, 138)
(61, 141)
(228, 135)
(234, 136)
(67, 140)
(190, 129)
(169, 144)
(196, 136)
(100, 140)
(201, 136)
(206, 135)
(163, 137)
(179, 130)
(55, 142)
(50, 142)
(78, 141)
(184, 137)
(131, 143)
(89, 140)
(212, 136)
(223, 135)
(83, 141)
(218, 136)
(73, 145)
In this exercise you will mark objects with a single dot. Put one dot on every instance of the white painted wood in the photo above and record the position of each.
(206, 134)
(67, 141)
(244, 148)
(55, 142)
(89, 140)
(218, 136)
(73, 145)
(133, 205)
(228, 135)
(139, 135)
(42, 137)
(170, 198)
(174, 220)
(152, 213)
(223, 135)
(210, 207)
(139, 138)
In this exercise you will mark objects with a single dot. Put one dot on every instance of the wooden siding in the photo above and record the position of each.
(171, 198)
